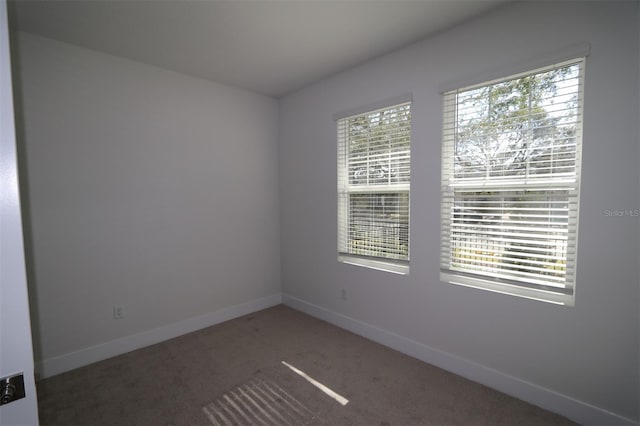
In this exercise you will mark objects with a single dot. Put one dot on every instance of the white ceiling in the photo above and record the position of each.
(270, 47)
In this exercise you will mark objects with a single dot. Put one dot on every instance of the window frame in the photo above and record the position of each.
(346, 189)
(557, 294)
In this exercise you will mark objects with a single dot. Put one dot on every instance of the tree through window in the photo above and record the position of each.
(510, 183)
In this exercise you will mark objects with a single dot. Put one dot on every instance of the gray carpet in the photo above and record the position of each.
(233, 373)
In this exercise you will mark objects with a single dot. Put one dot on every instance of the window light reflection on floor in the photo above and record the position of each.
(339, 398)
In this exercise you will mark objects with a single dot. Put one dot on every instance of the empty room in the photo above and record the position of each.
(320, 212)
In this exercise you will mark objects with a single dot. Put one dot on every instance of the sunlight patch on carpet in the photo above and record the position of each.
(258, 402)
(328, 391)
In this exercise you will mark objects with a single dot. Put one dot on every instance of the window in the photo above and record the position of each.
(510, 183)
(373, 188)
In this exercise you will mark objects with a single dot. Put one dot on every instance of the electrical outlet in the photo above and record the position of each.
(343, 294)
(118, 311)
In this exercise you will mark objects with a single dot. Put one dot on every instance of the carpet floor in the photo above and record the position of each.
(233, 374)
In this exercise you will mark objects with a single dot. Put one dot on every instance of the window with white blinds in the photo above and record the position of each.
(510, 183)
(374, 170)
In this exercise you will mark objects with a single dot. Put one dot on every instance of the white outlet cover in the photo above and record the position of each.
(118, 311)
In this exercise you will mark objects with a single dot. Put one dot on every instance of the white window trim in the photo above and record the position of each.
(561, 296)
(400, 267)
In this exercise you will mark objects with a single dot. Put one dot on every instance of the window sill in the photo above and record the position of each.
(555, 298)
(380, 265)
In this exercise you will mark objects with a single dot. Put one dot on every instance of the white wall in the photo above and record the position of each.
(588, 355)
(145, 188)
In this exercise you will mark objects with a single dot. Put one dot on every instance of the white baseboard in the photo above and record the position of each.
(578, 411)
(52, 366)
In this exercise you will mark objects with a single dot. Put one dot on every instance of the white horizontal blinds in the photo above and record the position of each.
(511, 158)
(517, 130)
(373, 183)
(515, 235)
(379, 224)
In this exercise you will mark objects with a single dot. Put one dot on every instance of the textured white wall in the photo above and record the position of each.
(145, 188)
(589, 352)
